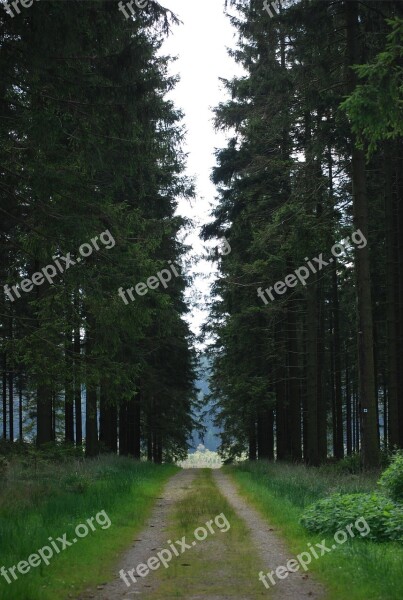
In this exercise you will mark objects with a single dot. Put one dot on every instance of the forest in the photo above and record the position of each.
(132, 411)
(314, 158)
(90, 144)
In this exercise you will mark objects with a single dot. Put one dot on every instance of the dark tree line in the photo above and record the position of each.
(89, 143)
(314, 154)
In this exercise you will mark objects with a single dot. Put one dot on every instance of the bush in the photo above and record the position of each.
(383, 515)
(392, 479)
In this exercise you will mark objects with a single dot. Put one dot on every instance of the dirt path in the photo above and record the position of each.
(266, 551)
(146, 544)
(297, 586)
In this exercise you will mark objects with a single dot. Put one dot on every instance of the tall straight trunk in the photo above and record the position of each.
(133, 426)
(356, 445)
(349, 437)
(252, 450)
(339, 435)
(265, 434)
(11, 384)
(356, 419)
(69, 413)
(69, 390)
(137, 427)
(11, 403)
(311, 453)
(303, 388)
(20, 412)
(158, 452)
(91, 409)
(320, 372)
(54, 396)
(367, 405)
(44, 415)
(77, 373)
(123, 445)
(281, 388)
(91, 423)
(385, 411)
(108, 416)
(332, 389)
(399, 287)
(294, 399)
(149, 446)
(150, 428)
(44, 409)
(131, 418)
(4, 396)
(155, 449)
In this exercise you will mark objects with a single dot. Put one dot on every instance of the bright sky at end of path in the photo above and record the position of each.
(200, 44)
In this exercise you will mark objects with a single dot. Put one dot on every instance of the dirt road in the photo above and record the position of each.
(268, 549)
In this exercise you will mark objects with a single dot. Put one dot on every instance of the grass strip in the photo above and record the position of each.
(224, 564)
(53, 501)
(359, 569)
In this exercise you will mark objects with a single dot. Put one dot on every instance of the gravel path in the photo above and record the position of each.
(152, 539)
(269, 548)
(297, 586)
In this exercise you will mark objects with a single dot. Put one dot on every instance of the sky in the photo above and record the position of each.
(200, 44)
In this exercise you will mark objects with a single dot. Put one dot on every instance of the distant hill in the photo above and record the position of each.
(211, 441)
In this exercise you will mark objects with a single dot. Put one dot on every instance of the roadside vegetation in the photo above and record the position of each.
(47, 494)
(359, 569)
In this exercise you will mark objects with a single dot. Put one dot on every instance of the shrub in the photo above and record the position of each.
(383, 515)
(392, 479)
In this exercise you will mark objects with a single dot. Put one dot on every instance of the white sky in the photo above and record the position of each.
(200, 44)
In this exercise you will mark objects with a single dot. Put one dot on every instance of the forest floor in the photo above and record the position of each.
(223, 566)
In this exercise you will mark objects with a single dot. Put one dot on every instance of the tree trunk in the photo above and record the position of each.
(11, 403)
(339, 436)
(294, 400)
(20, 413)
(367, 403)
(69, 390)
(91, 411)
(77, 374)
(311, 453)
(252, 452)
(265, 437)
(123, 446)
(349, 437)
(4, 396)
(44, 415)
(108, 415)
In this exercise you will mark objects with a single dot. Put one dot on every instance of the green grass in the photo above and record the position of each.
(357, 570)
(223, 565)
(45, 499)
